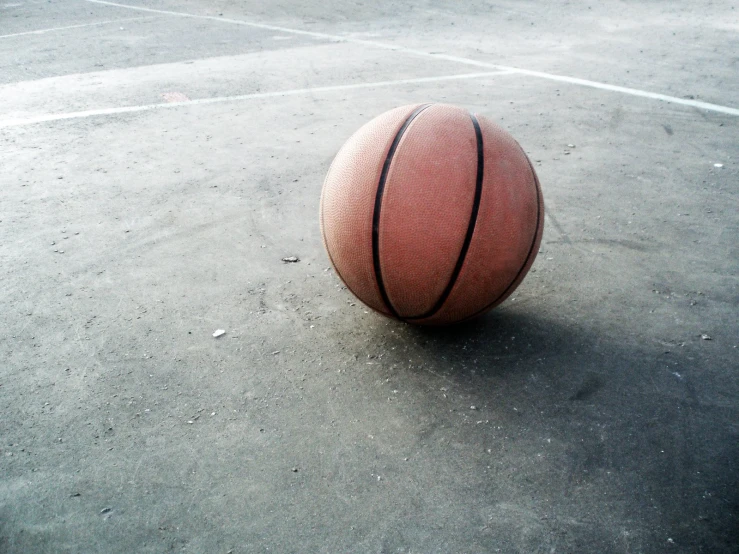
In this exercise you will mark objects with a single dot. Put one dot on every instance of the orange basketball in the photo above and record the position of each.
(431, 215)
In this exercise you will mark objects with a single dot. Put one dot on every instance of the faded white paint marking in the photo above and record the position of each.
(53, 29)
(467, 61)
(17, 122)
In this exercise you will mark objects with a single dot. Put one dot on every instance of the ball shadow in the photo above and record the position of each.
(503, 341)
(624, 413)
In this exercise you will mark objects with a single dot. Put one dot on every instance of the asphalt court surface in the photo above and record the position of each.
(159, 159)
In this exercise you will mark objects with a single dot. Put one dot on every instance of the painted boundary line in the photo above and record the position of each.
(220, 99)
(93, 24)
(467, 61)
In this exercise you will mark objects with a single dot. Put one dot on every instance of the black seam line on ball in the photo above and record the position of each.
(470, 226)
(378, 207)
(531, 248)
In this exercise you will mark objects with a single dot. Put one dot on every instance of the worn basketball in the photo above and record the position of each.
(431, 215)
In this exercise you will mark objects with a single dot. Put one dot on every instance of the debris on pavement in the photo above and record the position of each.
(218, 332)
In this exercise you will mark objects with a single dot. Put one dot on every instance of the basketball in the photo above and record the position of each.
(431, 215)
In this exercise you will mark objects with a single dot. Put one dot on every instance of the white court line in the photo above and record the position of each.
(219, 99)
(467, 61)
(323, 36)
(626, 90)
(42, 31)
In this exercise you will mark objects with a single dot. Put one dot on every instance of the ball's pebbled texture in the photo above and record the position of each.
(431, 215)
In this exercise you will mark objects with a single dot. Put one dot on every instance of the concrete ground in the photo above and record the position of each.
(159, 159)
